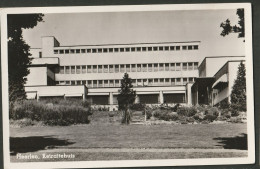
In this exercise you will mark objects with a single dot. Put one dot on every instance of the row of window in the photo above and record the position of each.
(135, 82)
(126, 49)
(153, 67)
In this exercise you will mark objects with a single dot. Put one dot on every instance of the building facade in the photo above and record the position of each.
(160, 72)
(216, 79)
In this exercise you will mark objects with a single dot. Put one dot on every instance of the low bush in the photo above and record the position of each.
(56, 113)
(210, 117)
(235, 120)
(212, 111)
(165, 115)
(187, 111)
(138, 107)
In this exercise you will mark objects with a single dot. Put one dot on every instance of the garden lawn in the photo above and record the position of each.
(202, 136)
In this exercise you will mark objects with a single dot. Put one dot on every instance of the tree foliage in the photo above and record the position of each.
(19, 52)
(238, 94)
(228, 28)
(126, 97)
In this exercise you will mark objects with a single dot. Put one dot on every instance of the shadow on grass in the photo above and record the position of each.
(32, 144)
(238, 142)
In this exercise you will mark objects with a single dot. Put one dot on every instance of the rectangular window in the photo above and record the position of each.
(178, 66)
(144, 67)
(161, 67)
(89, 69)
(127, 68)
(150, 48)
(78, 82)
(145, 82)
(139, 82)
(150, 82)
(172, 81)
(77, 50)
(55, 51)
(196, 47)
(156, 82)
(171, 47)
(94, 83)
(67, 70)
(88, 50)
(111, 83)
(84, 82)
(189, 47)
(100, 83)
(161, 82)
(138, 49)
(83, 69)
(110, 50)
(100, 69)
(72, 69)
(150, 67)
(138, 67)
(178, 47)
(61, 51)
(72, 51)
(134, 82)
(143, 48)
(122, 68)
(178, 81)
(122, 49)
(105, 68)
(184, 66)
(94, 50)
(190, 66)
(166, 48)
(67, 51)
(61, 69)
(83, 50)
(106, 83)
(116, 49)
(155, 67)
(105, 50)
(73, 83)
(133, 68)
(117, 83)
(116, 68)
(99, 50)
(167, 68)
(127, 49)
(195, 65)
(190, 80)
(89, 84)
(94, 68)
(155, 48)
(67, 82)
(132, 49)
(185, 81)
(184, 47)
(111, 68)
(167, 81)
(172, 68)
(78, 70)
(161, 48)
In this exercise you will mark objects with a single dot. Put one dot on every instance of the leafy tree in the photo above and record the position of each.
(126, 98)
(19, 52)
(238, 94)
(228, 28)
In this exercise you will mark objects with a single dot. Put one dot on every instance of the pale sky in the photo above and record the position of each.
(141, 27)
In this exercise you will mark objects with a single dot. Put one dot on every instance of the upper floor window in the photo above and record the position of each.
(196, 47)
(184, 47)
(189, 47)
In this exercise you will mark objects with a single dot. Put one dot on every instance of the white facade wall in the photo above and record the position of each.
(214, 64)
(37, 76)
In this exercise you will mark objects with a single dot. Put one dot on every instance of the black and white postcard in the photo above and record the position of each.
(127, 86)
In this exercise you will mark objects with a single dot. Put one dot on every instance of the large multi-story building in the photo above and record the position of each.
(160, 72)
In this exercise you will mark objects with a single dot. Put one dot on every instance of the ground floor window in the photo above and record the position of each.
(174, 98)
